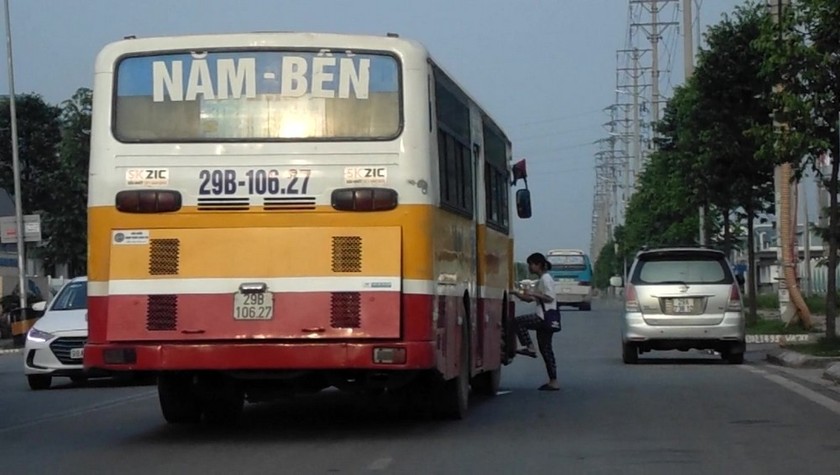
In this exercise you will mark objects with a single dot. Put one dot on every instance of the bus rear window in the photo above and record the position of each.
(257, 96)
(571, 262)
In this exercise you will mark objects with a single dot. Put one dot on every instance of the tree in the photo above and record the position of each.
(606, 266)
(803, 58)
(730, 104)
(54, 147)
(39, 132)
(663, 211)
(66, 223)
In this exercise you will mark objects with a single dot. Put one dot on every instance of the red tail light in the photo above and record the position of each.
(364, 199)
(148, 201)
(734, 299)
(631, 301)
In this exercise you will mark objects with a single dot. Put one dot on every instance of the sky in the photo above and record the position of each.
(545, 70)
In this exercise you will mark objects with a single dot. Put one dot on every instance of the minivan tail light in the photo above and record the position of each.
(631, 301)
(734, 299)
(364, 199)
(148, 201)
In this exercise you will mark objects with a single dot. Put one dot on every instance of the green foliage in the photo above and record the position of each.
(54, 149)
(803, 57)
(708, 151)
(67, 224)
(39, 134)
(607, 265)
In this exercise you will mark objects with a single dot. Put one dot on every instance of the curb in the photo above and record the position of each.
(793, 359)
(832, 373)
(780, 338)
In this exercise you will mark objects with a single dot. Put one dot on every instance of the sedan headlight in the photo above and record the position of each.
(38, 335)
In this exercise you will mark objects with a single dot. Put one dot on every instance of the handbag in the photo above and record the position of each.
(551, 318)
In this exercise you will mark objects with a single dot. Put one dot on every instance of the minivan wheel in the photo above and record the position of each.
(629, 353)
(733, 358)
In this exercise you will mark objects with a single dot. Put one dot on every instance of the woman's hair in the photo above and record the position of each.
(539, 259)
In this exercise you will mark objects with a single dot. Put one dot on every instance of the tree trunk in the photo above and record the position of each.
(833, 225)
(752, 284)
(707, 231)
(727, 234)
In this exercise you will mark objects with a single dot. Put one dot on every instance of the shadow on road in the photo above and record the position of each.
(324, 417)
(687, 361)
(60, 383)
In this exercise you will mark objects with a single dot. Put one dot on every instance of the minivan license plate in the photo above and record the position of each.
(683, 305)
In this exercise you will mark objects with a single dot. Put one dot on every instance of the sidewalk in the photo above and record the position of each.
(793, 359)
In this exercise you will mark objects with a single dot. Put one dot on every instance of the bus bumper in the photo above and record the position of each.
(260, 356)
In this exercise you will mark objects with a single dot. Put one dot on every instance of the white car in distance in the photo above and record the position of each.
(55, 344)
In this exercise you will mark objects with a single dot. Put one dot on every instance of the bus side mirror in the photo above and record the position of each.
(523, 203)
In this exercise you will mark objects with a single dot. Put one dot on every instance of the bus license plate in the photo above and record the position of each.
(77, 353)
(253, 306)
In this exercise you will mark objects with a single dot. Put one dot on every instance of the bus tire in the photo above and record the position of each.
(178, 401)
(224, 405)
(487, 383)
(454, 395)
(508, 334)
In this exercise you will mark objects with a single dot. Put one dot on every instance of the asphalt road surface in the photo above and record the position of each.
(673, 413)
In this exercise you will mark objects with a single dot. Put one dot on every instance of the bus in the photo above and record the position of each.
(281, 213)
(572, 271)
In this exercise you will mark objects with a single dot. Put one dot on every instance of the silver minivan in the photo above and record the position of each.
(682, 299)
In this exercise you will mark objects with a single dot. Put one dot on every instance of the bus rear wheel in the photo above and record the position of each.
(223, 402)
(179, 402)
(487, 383)
(454, 395)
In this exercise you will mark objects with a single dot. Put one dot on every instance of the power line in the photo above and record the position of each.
(558, 133)
(556, 119)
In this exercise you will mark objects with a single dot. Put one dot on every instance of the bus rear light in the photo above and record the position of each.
(389, 355)
(148, 201)
(364, 199)
(119, 356)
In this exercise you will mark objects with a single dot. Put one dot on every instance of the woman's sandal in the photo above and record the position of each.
(546, 387)
(527, 352)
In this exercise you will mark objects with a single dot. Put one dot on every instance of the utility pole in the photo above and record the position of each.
(21, 249)
(654, 31)
(688, 61)
(635, 72)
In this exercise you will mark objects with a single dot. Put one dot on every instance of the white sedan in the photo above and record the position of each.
(55, 344)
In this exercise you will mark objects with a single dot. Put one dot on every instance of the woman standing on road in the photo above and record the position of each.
(542, 295)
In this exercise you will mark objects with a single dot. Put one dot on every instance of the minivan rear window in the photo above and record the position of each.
(683, 269)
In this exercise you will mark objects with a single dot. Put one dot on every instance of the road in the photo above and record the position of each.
(675, 412)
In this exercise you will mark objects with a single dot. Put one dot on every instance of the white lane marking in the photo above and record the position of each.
(81, 411)
(502, 393)
(813, 396)
(380, 464)
(13, 351)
